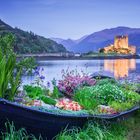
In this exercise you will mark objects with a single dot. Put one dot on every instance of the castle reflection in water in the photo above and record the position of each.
(120, 67)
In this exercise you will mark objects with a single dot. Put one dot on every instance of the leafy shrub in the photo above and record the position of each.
(106, 81)
(34, 91)
(85, 98)
(108, 92)
(132, 96)
(131, 86)
(90, 97)
(56, 93)
(119, 107)
(48, 100)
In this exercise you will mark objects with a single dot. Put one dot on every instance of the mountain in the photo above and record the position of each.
(28, 42)
(69, 43)
(104, 38)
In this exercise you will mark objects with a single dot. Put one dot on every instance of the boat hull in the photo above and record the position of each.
(48, 124)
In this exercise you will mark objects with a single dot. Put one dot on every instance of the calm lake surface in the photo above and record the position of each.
(118, 68)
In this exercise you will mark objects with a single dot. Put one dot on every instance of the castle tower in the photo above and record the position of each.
(121, 42)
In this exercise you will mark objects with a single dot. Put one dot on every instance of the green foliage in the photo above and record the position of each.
(6, 44)
(106, 81)
(55, 94)
(10, 71)
(121, 130)
(36, 92)
(27, 64)
(13, 134)
(90, 132)
(48, 100)
(119, 107)
(132, 96)
(108, 92)
(90, 97)
(85, 98)
(9, 83)
(102, 93)
(131, 86)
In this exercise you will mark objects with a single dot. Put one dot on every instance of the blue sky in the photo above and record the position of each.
(69, 18)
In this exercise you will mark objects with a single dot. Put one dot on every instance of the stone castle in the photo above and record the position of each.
(120, 46)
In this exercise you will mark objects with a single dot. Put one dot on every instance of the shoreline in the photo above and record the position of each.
(42, 57)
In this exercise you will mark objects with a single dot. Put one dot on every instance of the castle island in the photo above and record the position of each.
(120, 46)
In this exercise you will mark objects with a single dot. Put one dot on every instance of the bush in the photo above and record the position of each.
(34, 91)
(106, 94)
(85, 98)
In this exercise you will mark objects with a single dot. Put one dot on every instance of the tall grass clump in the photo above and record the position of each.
(92, 131)
(11, 69)
(13, 134)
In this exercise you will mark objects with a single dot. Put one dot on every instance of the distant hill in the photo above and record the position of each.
(28, 42)
(105, 37)
(69, 43)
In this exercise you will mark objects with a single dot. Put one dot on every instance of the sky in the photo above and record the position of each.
(69, 18)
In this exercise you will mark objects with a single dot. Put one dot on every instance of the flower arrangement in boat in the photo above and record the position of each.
(80, 92)
(103, 96)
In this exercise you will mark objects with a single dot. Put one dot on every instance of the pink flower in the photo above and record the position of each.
(71, 82)
(67, 104)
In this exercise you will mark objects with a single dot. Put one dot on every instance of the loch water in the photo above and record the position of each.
(119, 68)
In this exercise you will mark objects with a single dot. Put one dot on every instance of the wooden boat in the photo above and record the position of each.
(45, 123)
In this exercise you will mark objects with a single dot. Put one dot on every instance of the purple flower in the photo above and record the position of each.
(36, 72)
(37, 69)
(48, 84)
(42, 77)
(72, 81)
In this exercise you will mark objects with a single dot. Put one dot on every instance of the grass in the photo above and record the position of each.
(13, 134)
(124, 130)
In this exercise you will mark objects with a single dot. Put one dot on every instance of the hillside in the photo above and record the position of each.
(105, 37)
(28, 42)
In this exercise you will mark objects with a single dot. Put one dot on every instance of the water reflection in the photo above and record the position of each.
(120, 67)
